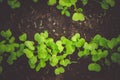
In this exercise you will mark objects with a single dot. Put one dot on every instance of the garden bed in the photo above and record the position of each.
(38, 17)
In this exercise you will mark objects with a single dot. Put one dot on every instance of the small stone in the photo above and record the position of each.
(53, 30)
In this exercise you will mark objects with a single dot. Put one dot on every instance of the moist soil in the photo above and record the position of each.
(32, 17)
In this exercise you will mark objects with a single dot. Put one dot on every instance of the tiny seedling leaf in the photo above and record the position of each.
(28, 53)
(104, 5)
(94, 67)
(84, 2)
(30, 45)
(23, 37)
(111, 2)
(59, 70)
(115, 57)
(51, 2)
(78, 17)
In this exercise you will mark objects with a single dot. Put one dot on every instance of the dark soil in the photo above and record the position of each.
(37, 17)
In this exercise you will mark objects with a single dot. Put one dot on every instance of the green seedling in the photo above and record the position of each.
(65, 62)
(112, 43)
(14, 4)
(105, 4)
(94, 67)
(41, 64)
(84, 2)
(29, 45)
(60, 46)
(6, 34)
(78, 17)
(115, 57)
(29, 54)
(97, 55)
(84, 53)
(90, 46)
(75, 37)
(23, 37)
(59, 70)
(51, 2)
(54, 61)
(42, 51)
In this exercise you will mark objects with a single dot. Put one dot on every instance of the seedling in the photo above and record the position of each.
(94, 67)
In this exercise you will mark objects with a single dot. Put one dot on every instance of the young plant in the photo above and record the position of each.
(14, 4)
(106, 4)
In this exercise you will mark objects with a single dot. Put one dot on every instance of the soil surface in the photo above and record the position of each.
(37, 17)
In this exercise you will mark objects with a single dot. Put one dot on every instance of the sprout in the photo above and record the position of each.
(23, 37)
(59, 70)
(115, 57)
(94, 67)
(78, 17)
(30, 45)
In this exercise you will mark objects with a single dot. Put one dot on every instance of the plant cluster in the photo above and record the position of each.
(44, 50)
(65, 5)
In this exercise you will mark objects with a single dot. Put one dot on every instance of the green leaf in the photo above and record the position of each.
(54, 61)
(80, 42)
(2, 48)
(96, 57)
(32, 66)
(81, 54)
(51, 2)
(80, 10)
(11, 58)
(33, 59)
(73, 1)
(97, 38)
(42, 52)
(104, 5)
(111, 2)
(75, 37)
(104, 54)
(78, 17)
(112, 43)
(90, 46)
(6, 34)
(41, 64)
(30, 45)
(66, 3)
(103, 42)
(86, 52)
(60, 47)
(115, 57)
(67, 13)
(59, 70)
(20, 51)
(12, 39)
(65, 62)
(69, 48)
(107, 62)
(94, 67)
(23, 37)
(60, 7)
(28, 53)
(84, 2)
